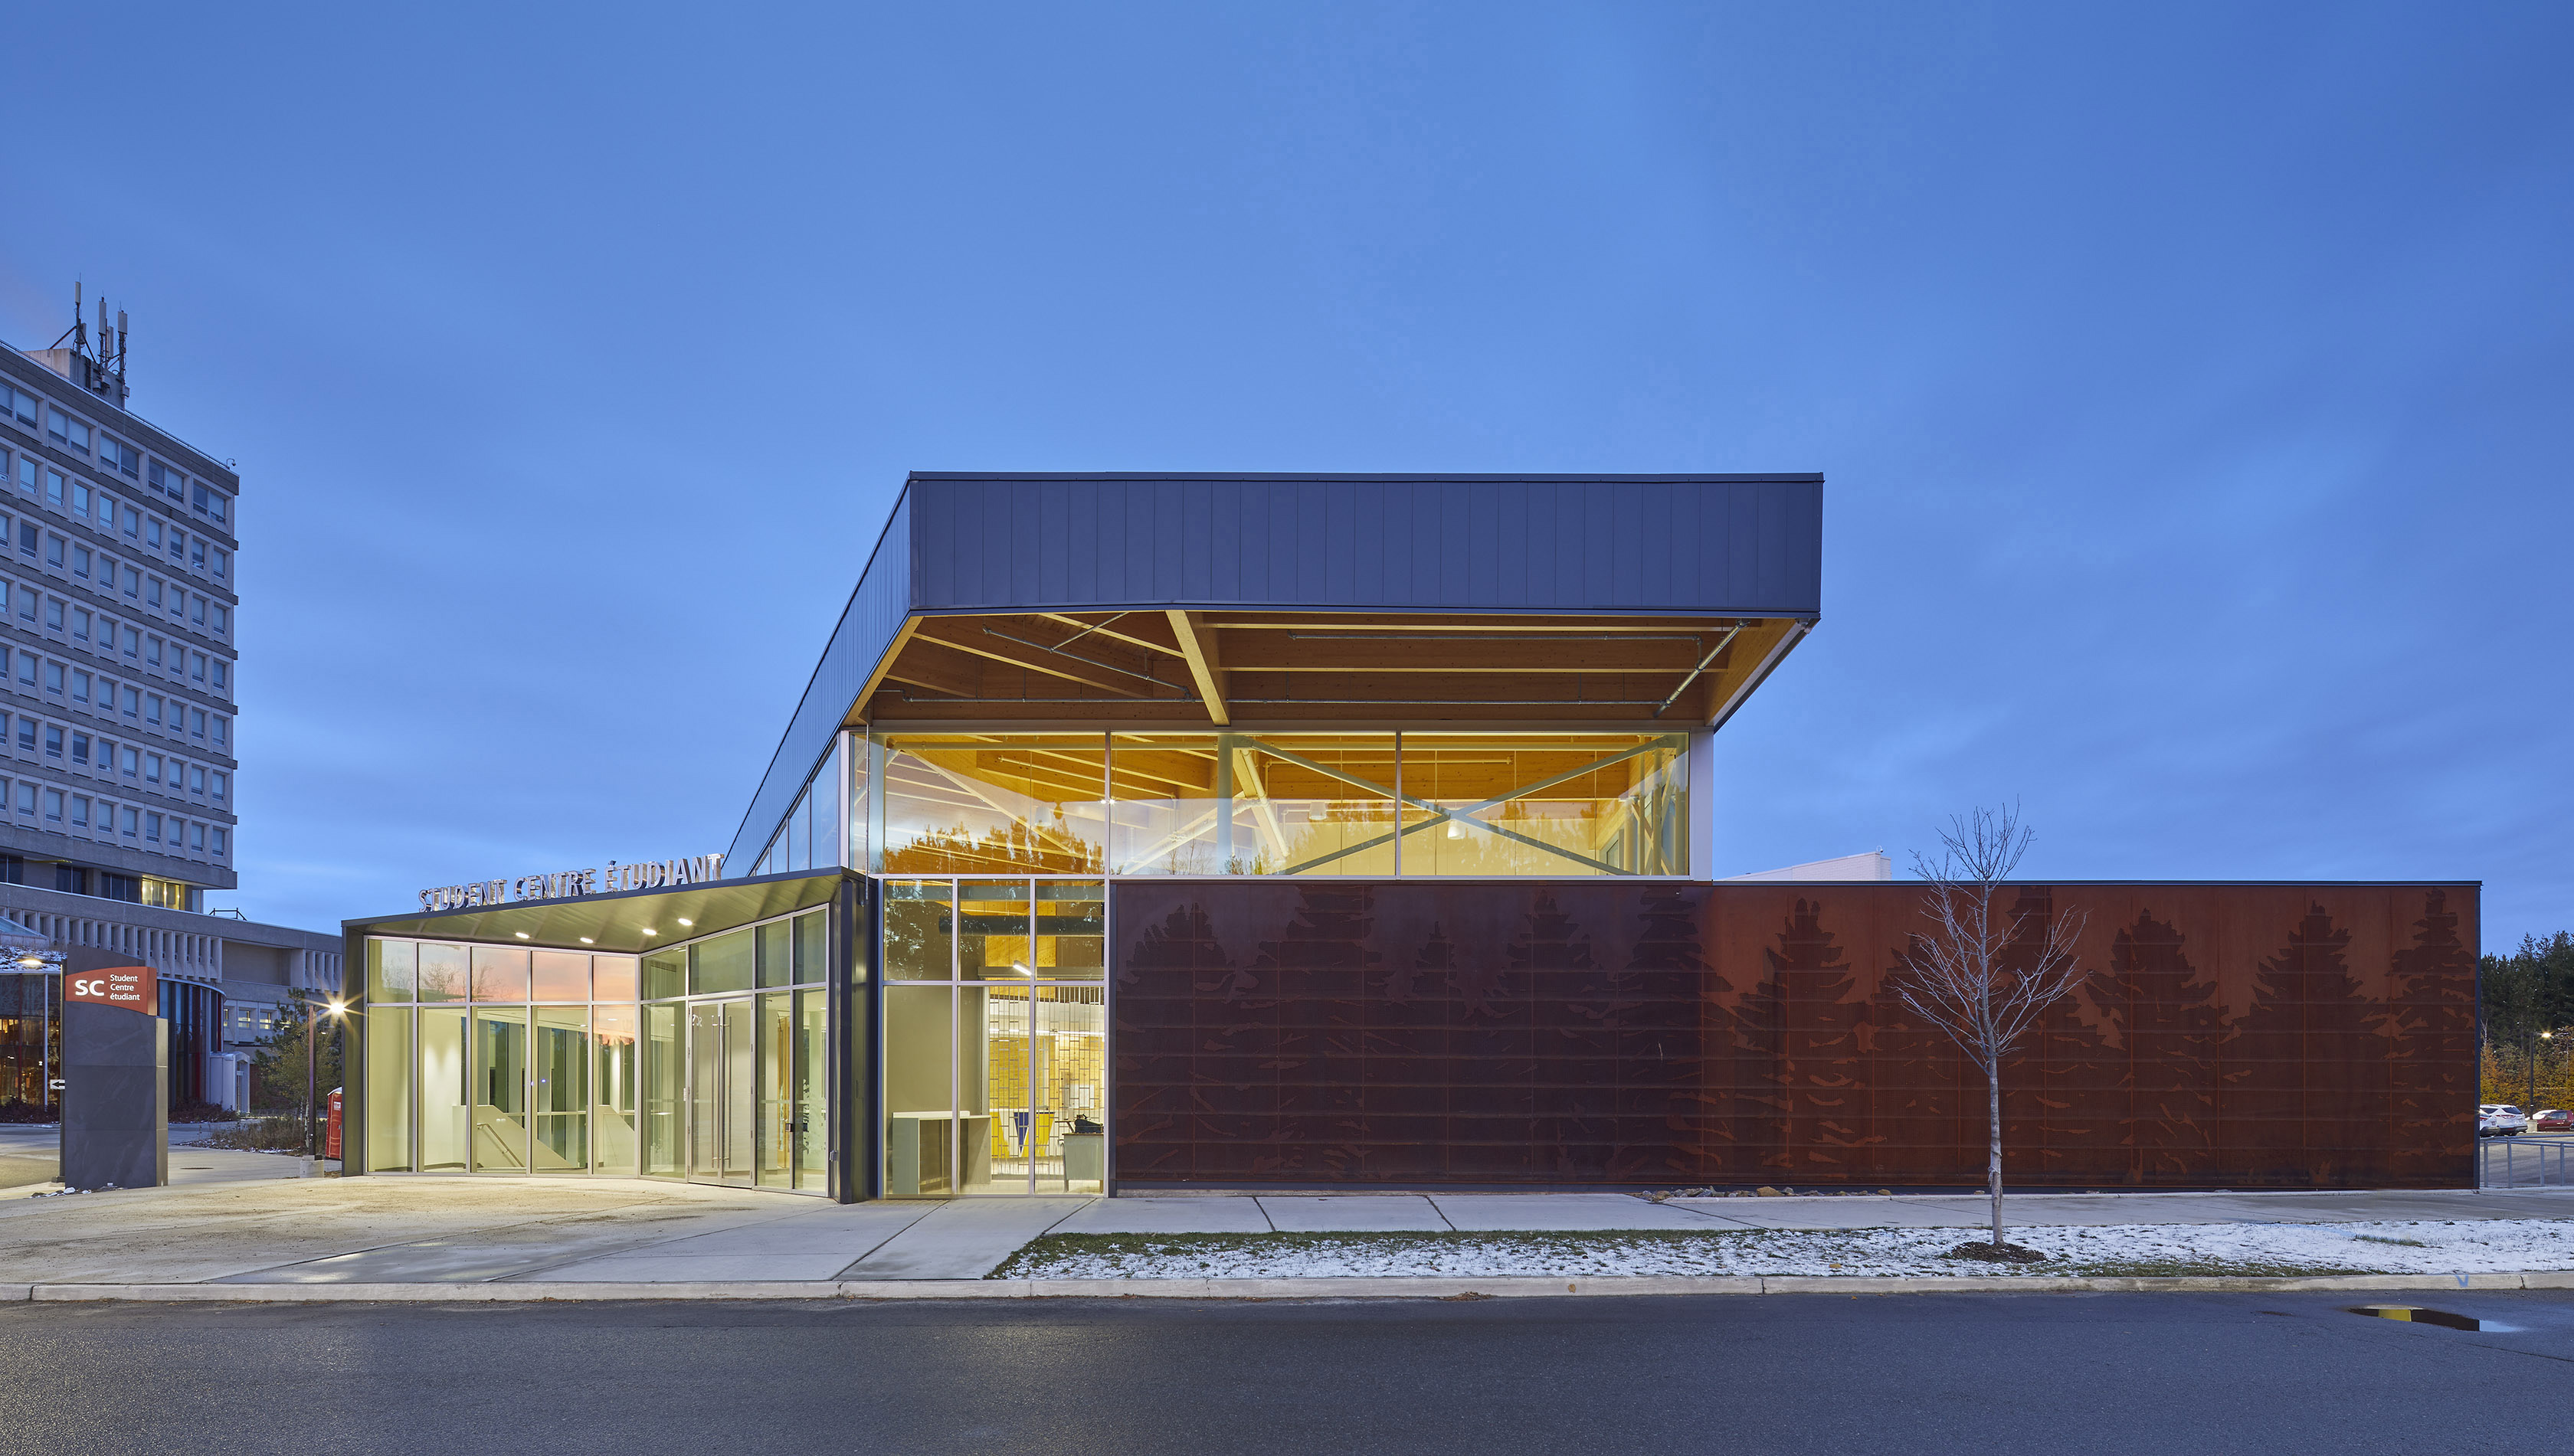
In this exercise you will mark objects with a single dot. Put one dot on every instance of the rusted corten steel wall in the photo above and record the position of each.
(1654, 1034)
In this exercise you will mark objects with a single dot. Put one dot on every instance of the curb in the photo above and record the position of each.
(533, 1292)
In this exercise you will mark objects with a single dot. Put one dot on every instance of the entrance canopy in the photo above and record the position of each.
(629, 923)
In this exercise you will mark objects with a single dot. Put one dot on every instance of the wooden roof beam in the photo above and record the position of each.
(965, 636)
(1206, 663)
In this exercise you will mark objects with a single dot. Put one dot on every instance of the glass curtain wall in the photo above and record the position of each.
(811, 836)
(497, 1058)
(995, 1036)
(705, 1062)
(1358, 805)
(1033, 804)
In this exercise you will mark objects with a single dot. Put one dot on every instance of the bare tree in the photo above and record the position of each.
(1983, 975)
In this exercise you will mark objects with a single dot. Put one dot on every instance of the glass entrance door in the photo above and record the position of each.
(724, 1091)
(501, 1079)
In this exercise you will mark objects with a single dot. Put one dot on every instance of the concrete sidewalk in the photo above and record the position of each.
(609, 1237)
(31, 1160)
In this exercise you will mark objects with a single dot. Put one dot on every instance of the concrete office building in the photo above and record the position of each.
(118, 669)
(1290, 831)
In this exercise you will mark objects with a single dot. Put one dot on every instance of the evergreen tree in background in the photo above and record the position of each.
(277, 1070)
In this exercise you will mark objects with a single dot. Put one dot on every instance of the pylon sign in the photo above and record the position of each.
(133, 987)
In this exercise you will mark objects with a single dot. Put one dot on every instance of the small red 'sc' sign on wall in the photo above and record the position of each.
(135, 988)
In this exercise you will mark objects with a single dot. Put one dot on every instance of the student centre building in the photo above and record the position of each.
(1144, 832)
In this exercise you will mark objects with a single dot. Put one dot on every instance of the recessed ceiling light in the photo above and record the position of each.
(685, 921)
(585, 940)
(523, 935)
(652, 932)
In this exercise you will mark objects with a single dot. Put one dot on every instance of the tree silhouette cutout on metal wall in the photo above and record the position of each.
(2059, 1098)
(2171, 1030)
(1919, 1093)
(1313, 1002)
(1686, 1006)
(1802, 1015)
(2433, 1019)
(1173, 970)
(1570, 1017)
(2314, 1104)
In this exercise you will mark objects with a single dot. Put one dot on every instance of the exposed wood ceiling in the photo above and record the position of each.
(1180, 667)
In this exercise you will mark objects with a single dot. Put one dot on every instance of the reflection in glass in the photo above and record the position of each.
(612, 977)
(777, 953)
(561, 976)
(776, 1085)
(705, 1091)
(919, 930)
(500, 974)
(992, 930)
(612, 1086)
(501, 1088)
(665, 1080)
(725, 963)
(1239, 803)
(1071, 930)
(392, 970)
(446, 1096)
(1545, 803)
(812, 1108)
(740, 1091)
(389, 1088)
(443, 974)
(813, 955)
(562, 1066)
(980, 802)
(665, 974)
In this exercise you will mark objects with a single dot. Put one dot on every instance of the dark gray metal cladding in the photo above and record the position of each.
(1693, 544)
(116, 1097)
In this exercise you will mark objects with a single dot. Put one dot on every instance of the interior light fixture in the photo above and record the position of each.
(650, 931)
(585, 940)
(1021, 969)
(523, 935)
(685, 921)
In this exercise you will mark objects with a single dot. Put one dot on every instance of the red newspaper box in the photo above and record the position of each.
(331, 1129)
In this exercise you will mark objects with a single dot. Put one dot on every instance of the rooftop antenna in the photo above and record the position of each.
(99, 368)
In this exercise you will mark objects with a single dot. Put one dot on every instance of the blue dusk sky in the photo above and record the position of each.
(2192, 381)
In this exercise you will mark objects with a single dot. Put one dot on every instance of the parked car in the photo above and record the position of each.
(2553, 1119)
(2500, 1119)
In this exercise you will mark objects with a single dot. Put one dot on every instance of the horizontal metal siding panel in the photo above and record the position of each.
(1715, 547)
(867, 626)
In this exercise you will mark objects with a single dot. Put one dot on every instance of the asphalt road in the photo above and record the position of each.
(1898, 1374)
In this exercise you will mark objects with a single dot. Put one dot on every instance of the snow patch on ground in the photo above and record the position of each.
(2464, 1247)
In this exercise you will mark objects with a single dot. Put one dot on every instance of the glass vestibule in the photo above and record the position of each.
(706, 1061)
(995, 1036)
(735, 1057)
